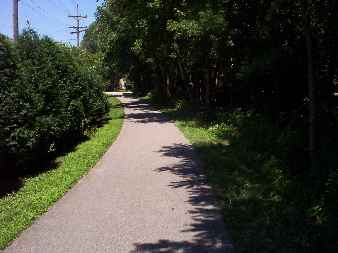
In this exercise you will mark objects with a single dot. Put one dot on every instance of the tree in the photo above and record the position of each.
(276, 58)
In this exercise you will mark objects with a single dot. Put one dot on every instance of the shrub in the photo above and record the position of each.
(11, 111)
(50, 98)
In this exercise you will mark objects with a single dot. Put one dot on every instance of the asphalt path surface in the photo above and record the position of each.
(147, 194)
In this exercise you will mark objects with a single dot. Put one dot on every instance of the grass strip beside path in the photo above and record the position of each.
(240, 153)
(18, 210)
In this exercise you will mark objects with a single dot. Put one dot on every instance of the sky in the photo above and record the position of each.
(48, 17)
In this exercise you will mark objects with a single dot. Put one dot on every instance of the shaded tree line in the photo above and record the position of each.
(275, 58)
(261, 55)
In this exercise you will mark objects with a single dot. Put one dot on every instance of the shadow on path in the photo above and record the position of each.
(144, 113)
(207, 226)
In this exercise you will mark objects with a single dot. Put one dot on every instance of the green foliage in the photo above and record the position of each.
(52, 97)
(90, 41)
(9, 101)
(184, 28)
(158, 98)
(18, 210)
(249, 58)
(244, 156)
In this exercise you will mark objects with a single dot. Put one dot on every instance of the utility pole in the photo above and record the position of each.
(77, 27)
(15, 20)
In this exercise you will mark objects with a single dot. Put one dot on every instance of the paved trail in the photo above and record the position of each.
(145, 195)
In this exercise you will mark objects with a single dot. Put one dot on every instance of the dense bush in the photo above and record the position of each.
(49, 98)
(266, 205)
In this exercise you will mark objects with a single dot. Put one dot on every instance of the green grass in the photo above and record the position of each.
(18, 210)
(245, 157)
(245, 180)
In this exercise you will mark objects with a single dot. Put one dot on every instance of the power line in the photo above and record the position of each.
(58, 5)
(77, 28)
(44, 12)
(65, 6)
(38, 9)
(38, 13)
(74, 2)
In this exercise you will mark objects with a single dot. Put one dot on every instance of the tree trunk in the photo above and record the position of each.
(311, 89)
(165, 81)
(207, 88)
(332, 48)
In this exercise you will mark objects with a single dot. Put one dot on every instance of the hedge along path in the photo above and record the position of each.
(20, 209)
(147, 194)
